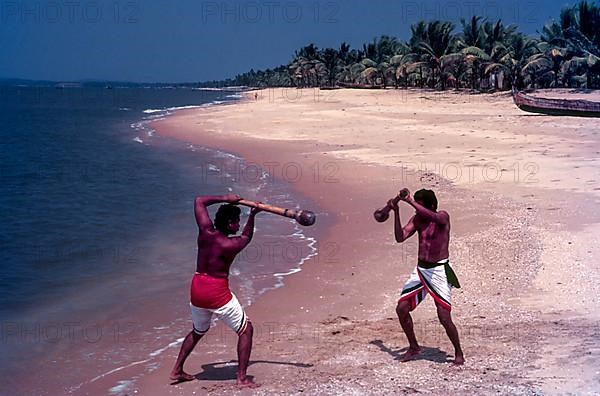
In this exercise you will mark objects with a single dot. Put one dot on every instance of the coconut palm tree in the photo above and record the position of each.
(331, 59)
(453, 67)
(431, 40)
(356, 71)
(585, 18)
(475, 58)
(308, 52)
(496, 34)
(520, 55)
(472, 34)
(567, 53)
(576, 41)
(400, 64)
(418, 35)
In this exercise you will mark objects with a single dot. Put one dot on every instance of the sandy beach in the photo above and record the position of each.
(522, 192)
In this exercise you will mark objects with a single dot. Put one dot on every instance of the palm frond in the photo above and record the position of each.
(475, 52)
(492, 67)
(451, 59)
(537, 65)
(368, 63)
(416, 67)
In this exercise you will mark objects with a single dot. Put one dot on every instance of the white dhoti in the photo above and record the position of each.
(436, 279)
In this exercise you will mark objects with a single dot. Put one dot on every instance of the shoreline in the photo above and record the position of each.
(139, 325)
(353, 307)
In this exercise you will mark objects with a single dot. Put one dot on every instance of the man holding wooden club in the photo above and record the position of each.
(210, 294)
(433, 274)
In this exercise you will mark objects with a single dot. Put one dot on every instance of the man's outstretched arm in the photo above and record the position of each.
(200, 203)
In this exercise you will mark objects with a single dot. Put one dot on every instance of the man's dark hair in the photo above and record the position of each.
(428, 198)
(225, 214)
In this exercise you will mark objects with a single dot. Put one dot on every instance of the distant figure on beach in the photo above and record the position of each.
(210, 294)
(255, 95)
(433, 274)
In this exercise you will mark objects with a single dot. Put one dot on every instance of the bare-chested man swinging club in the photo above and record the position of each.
(210, 294)
(433, 274)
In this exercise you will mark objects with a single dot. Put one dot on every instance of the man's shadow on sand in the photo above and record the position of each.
(427, 353)
(226, 371)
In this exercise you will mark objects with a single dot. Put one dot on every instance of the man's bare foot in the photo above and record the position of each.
(410, 354)
(459, 360)
(181, 376)
(247, 382)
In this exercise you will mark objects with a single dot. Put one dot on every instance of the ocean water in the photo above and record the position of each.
(98, 238)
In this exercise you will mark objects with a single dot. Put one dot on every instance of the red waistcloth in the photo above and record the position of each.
(209, 292)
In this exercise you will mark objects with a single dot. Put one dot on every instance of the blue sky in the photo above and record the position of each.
(197, 40)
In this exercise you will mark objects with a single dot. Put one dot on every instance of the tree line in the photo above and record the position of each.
(479, 54)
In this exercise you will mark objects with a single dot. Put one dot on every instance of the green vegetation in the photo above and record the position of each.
(480, 55)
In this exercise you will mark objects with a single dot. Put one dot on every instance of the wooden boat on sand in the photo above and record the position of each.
(555, 106)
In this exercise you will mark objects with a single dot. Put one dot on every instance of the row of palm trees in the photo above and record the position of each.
(482, 55)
